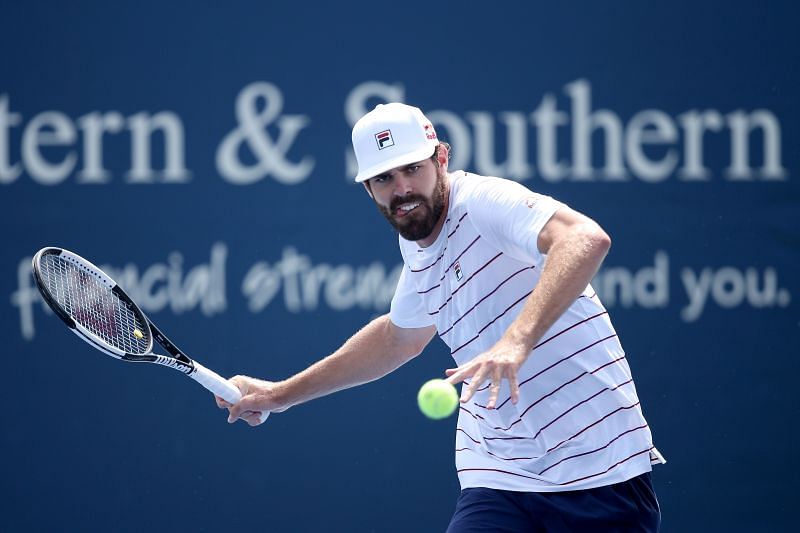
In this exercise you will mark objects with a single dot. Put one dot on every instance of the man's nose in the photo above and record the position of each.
(402, 186)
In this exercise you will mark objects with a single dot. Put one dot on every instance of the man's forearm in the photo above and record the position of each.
(371, 353)
(571, 264)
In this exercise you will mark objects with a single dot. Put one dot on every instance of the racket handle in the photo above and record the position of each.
(219, 386)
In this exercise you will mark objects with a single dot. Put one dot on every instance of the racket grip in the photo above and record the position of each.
(219, 386)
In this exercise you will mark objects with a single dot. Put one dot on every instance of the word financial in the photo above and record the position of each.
(579, 145)
(292, 281)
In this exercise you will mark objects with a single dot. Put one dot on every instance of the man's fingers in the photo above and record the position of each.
(221, 403)
(239, 409)
(252, 418)
(460, 374)
(241, 383)
(455, 379)
(494, 390)
(513, 385)
(476, 381)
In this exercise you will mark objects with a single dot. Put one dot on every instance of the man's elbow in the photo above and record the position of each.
(407, 343)
(602, 241)
(597, 241)
(418, 346)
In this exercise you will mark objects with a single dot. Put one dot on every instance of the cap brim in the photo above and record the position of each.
(405, 159)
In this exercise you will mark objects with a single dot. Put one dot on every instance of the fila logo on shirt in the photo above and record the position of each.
(458, 272)
(384, 139)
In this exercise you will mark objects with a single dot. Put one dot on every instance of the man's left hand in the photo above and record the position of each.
(501, 361)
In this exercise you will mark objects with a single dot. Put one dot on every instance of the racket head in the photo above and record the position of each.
(91, 303)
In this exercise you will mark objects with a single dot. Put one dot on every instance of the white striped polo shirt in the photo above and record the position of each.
(578, 423)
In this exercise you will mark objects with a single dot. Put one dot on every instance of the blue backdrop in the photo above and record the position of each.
(201, 153)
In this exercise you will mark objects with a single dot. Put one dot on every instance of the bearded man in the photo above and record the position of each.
(550, 433)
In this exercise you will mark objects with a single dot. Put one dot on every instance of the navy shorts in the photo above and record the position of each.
(627, 506)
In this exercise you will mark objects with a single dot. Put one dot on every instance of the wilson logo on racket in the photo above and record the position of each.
(384, 139)
(172, 363)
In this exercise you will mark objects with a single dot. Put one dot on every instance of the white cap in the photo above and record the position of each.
(389, 136)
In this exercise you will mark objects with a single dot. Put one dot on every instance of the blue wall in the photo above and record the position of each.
(202, 153)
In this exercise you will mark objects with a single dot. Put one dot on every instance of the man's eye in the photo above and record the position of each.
(413, 169)
(381, 179)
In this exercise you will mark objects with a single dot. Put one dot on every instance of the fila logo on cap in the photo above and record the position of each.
(384, 139)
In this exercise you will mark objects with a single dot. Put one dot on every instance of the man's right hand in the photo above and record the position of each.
(257, 396)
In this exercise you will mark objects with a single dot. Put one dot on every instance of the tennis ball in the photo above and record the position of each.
(138, 334)
(437, 399)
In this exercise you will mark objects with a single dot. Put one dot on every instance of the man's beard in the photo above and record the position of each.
(419, 223)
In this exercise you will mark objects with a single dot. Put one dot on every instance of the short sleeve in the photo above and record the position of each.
(511, 216)
(408, 310)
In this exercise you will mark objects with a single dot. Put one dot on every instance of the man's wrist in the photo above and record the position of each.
(520, 341)
(281, 394)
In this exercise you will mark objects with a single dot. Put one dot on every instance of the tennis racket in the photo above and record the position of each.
(102, 314)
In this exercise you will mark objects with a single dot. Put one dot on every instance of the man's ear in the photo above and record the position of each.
(443, 155)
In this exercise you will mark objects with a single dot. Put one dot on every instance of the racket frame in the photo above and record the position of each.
(177, 360)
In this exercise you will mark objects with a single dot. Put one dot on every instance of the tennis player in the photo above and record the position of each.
(550, 434)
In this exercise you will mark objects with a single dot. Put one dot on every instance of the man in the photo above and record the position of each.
(550, 433)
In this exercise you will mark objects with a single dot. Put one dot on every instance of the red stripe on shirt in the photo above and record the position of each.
(610, 468)
(609, 443)
(445, 332)
(457, 225)
(553, 337)
(453, 263)
(595, 450)
(445, 248)
(593, 396)
(467, 280)
(569, 328)
(459, 256)
(429, 290)
(556, 390)
(595, 343)
(468, 435)
(498, 457)
(479, 417)
(525, 412)
(429, 266)
(507, 309)
(497, 470)
(592, 425)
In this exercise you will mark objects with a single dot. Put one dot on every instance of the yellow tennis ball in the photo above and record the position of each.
(138, 334)
(437, 399)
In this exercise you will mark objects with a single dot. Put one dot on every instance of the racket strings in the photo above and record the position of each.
(90, 302)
